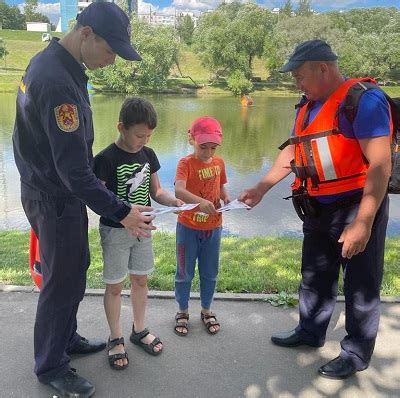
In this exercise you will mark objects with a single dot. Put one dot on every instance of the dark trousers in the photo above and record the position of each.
(61, 227)
(321, 263)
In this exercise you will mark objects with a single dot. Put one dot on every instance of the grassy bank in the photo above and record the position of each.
(257, 265)
(23, 45)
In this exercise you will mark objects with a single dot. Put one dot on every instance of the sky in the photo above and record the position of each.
(51, 8)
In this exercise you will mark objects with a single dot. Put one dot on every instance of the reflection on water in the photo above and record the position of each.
(251, 137)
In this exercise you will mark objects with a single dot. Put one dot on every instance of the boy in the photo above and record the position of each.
(129, 168)
(200, 178)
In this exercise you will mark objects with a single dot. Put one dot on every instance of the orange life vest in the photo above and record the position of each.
(325, 159)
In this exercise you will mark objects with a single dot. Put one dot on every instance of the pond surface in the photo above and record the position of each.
(251, 137)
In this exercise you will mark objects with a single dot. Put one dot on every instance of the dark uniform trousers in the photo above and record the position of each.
(61, 225)
(321, 263)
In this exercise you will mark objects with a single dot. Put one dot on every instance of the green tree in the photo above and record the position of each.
(185, 28)
(11, 17)
(289, 32)
(3, 48)
(30, 6)
(287, 9)
(158, 47)
(123, 4)
(251, 26)
(239, 84)
(372, 51)
(31, 14)
(230, 37)
(213, 41)
(304, 8)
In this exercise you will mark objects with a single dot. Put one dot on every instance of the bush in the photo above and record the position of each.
(239, 84)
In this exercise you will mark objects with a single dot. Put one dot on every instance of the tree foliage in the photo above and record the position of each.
(229, 38)
(158, 47)
(239, 84)
(31, 14)
(3, 48)
(185, 28)
(366, 40)
(304, 8)
(11, 17)
(287, 9)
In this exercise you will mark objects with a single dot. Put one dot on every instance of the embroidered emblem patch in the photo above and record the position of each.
(67, 117)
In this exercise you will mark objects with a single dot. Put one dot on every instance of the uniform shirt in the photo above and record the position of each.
(126, 174)
(204, 180)
(53, 134)
(372, 120)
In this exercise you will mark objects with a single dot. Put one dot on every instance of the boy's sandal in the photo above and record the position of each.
(136, 338)
(210, 320)
(181, 324)
(115, 357)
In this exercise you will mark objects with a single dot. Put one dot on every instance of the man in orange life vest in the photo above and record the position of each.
(340, 189)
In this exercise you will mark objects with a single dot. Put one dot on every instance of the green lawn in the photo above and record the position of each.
(21, 46)
(257, 265)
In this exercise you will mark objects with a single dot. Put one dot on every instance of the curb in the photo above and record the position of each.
(169, 295)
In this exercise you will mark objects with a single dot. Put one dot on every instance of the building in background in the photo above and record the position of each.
(70, 8)
(38, 27)
(160, 18)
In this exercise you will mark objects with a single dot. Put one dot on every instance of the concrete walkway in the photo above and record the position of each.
(238, 362)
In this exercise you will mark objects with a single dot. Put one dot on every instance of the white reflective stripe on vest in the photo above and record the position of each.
(326, 158)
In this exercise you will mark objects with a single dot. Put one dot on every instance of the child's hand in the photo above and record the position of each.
(226, 200)
(177, 202)
(207, 207)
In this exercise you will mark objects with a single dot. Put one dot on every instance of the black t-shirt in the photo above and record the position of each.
(126, 174)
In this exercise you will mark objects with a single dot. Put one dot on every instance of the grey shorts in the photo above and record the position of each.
(124, 253)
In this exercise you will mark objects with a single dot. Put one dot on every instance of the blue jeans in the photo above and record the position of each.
(192, 244)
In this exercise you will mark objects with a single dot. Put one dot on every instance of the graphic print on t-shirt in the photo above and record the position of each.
(133, 183)
(207, 177)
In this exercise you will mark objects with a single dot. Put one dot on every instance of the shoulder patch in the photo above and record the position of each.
(67, 117)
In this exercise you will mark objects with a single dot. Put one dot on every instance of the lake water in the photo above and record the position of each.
(251, 137)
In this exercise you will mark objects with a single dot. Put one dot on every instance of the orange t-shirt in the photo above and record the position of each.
(204, 180)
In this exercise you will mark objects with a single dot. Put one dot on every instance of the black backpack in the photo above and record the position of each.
(350, 110)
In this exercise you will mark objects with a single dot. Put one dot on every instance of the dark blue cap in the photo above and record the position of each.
(112, 24)
(311, 50)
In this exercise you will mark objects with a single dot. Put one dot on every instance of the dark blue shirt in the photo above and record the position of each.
(53, 133)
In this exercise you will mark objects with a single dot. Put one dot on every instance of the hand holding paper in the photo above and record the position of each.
(234, 205)
(171, 209)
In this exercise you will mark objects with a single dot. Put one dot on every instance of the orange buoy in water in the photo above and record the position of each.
(246, 100)
(34, 259)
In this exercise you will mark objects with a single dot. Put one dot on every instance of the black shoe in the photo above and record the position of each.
(72, 385)
(291, 339)
(338, 368)
(85, 346)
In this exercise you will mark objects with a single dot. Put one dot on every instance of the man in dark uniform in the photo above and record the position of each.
(345, 167)
(53, 139)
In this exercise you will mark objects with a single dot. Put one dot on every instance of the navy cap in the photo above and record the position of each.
(311, 50)
(112, 24)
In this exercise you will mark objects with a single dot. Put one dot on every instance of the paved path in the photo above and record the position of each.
(238, 362)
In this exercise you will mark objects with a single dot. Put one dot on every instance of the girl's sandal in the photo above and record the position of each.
(115, 357)
(209, 321)
(180, 324)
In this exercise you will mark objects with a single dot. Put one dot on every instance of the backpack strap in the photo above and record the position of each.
(353, 96)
